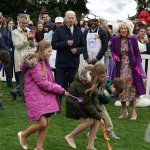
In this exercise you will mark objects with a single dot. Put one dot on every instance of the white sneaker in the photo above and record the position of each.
(112, 135)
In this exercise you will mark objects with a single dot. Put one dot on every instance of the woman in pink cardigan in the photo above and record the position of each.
(41, 92)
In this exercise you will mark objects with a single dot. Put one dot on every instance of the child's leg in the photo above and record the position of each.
(106, 118)
(124, 112)
(70, 137)
(42, 135)
(108, 123)
(93, 131)
(42, 123)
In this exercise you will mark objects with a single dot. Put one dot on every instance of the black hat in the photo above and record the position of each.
(21, 11)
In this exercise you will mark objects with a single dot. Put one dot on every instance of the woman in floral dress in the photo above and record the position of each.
(126, 54)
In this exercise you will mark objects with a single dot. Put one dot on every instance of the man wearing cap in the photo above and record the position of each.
(96, 42)
(20, 12)
(68, 41)
(59, 21)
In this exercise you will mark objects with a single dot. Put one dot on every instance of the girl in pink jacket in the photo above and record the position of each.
(41, 92)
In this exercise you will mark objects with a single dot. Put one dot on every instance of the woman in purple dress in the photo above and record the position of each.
(126, 54)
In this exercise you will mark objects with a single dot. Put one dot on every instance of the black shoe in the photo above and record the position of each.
(9, 85)
(14, 95)
(1, 106)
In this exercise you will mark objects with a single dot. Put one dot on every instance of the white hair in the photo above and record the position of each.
(23, 17)
(70, 12)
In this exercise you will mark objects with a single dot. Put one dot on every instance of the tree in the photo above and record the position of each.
(54, 7)
(143, 5)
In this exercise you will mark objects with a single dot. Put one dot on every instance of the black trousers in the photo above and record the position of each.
(65, 76)
(9, 69)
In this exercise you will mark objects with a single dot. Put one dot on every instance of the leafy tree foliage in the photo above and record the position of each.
(54, 7)
(143, 5)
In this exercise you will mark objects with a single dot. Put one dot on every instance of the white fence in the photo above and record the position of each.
(145, 59)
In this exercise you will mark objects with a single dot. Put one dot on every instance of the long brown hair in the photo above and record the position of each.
(43, 45)
(98, 70)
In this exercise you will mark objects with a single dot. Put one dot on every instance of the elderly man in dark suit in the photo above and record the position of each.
(68, 41)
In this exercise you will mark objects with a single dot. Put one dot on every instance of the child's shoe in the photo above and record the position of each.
(13, 94)
(112, 135)
(90, 148)
(70, 142)
(88, 136)
(24, 146)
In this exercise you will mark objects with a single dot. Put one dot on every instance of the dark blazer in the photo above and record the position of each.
(104, 39)
(7, 40)
(134, 57)
(1, 44)
(147, 49)
(64, 57)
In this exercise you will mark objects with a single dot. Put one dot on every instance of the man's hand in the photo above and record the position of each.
(94, 61)
(89, 61)
(30, 36)
(74, 50)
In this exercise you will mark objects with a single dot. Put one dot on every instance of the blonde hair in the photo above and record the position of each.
(43, 45)
(98, 70)
(104, 25)
(127, 25)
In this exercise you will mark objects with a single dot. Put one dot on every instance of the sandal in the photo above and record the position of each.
(134, 117)
(124, 114)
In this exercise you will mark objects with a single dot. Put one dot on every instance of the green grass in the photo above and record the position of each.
(14, 119)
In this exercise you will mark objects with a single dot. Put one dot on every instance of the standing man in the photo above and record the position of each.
(47, 20)
(24, 42)
(96, 42)
(68, 41)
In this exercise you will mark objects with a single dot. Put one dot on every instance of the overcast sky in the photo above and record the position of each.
(112, 10)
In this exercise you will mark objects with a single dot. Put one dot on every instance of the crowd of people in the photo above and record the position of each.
(46, 60)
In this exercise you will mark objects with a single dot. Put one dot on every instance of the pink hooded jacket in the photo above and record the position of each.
(40, 91)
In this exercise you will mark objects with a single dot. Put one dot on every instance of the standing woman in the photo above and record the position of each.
(39, 35)
(8, 45)
(126, 54)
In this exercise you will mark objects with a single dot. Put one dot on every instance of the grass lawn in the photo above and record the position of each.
(14, 119)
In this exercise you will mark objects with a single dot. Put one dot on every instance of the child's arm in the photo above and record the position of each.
(105, 96)
(43, 82)
(92, 107)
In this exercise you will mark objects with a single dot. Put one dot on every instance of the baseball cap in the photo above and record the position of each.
(59, 19)
(22, 11)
